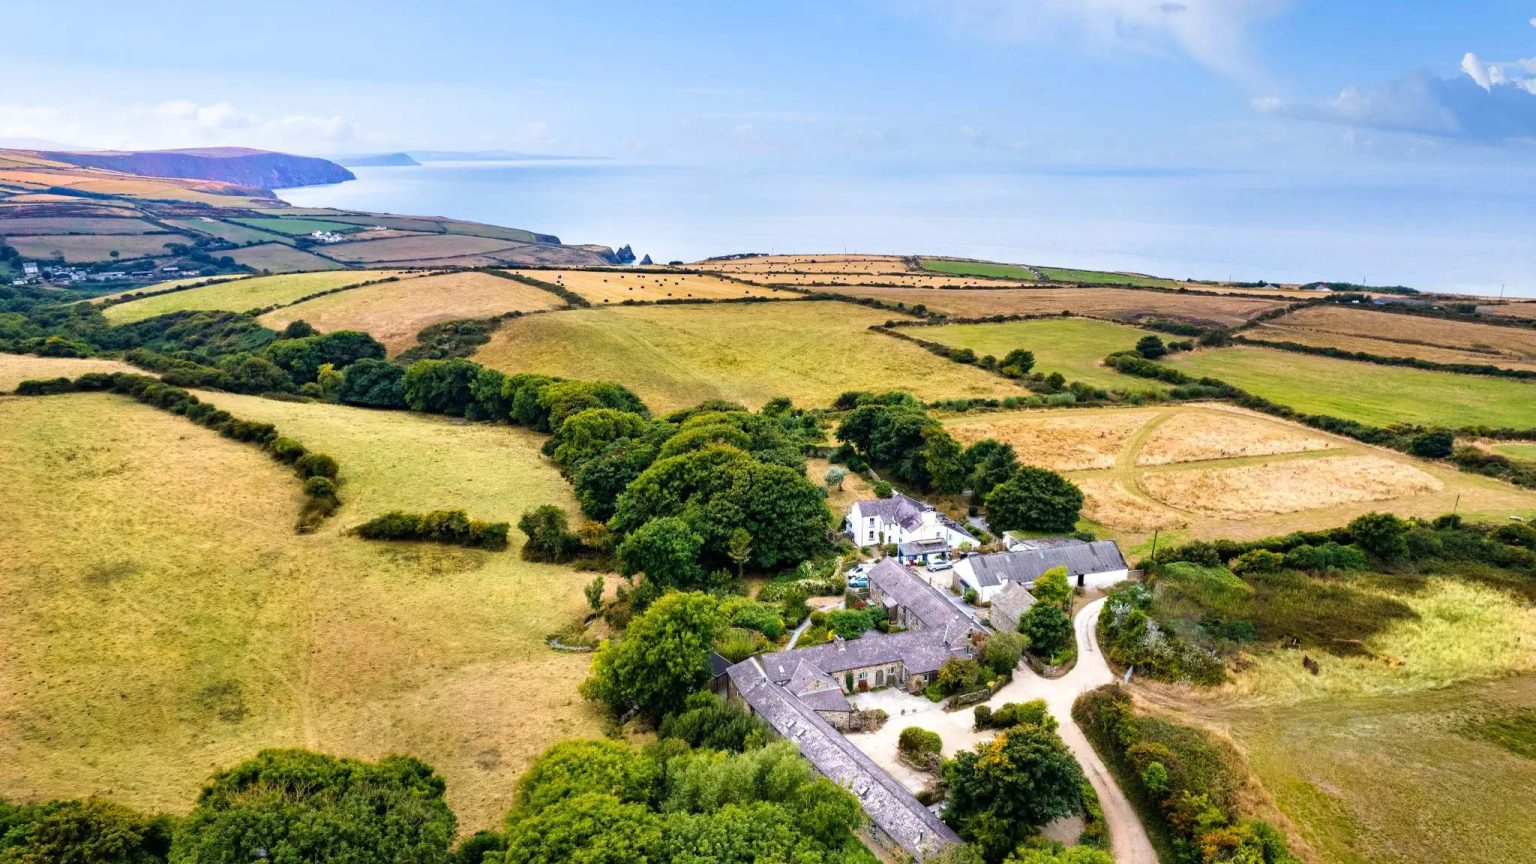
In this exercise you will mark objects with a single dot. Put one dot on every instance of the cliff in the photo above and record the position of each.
(241, 166)
(377, 160)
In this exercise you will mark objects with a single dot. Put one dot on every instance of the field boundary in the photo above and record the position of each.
(1486, 370)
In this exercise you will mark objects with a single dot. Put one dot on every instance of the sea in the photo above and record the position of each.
(1432, 234)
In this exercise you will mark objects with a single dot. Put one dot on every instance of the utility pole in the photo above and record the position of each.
(1155, 532)
(1457, 506)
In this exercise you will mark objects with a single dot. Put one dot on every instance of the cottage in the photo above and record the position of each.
(921, 534)
(1095, 564)
(1009, 605)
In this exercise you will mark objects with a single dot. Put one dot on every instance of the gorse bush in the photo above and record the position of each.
(452, 527)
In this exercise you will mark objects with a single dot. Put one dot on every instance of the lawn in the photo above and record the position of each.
(1104, 277)
(678, 356)
(154, 638)
(979, 268)
(394, 312)
(294, 227)
(240, 295)
(1367, 392)
(1074, 347)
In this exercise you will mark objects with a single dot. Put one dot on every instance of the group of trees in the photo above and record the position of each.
(893, 432)
(1046, 626)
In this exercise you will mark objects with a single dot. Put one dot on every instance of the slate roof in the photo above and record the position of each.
(905, 511)
(1009, 606)
(908, 590)
(892, 808)
(1031, 558)
(817, 689)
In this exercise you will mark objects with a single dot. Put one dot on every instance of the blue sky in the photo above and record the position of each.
(1153, 85)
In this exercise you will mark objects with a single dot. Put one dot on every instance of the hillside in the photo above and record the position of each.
(240, 166)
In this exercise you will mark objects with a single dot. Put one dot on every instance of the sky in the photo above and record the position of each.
(1141, 85)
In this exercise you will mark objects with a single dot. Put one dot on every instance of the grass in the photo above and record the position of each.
(1104, 277)
(423, 247)
(294, 227)
(600, 287)
(394, 312)
(240, 295)
(1075, 347)
(88, 248)
(16, 368)
(979, 268)
(1121, 304)
(278, 258)
(1525, 452)
(153, 639)
(73, 225)
(1379, 395)
(678, 356)
(1396, 335)
(230, 231)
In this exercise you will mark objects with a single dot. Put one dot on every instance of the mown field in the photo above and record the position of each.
(294, 227)
(1526, 452)
(240, 295)
(601, 287)
(421, 247)
(1121, 304)
(859, 279)
(1213, 471)
(394, 312)
(16, 368)
(72, 225)
(1396, 335)
(1104, 277)
(278, 258)
(677, 356)
(88, 248)
(1405, 750)
(980, 268)
(1367, 392)
(1075, 347)
(177, 624)
(229, 231)
(809, 264)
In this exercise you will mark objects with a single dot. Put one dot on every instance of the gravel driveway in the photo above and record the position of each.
(1129, 839)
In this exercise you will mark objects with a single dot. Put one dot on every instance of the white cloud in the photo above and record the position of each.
(177, 123)
(1213, 32)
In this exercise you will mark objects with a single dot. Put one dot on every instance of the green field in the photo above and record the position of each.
(1366, 392)
(177, 624)
(241, 295)
(241, 234)
(1074, 347)
(295, 227)
(979, 268)
(1524, 452)
(677, 356)
(1104, 277)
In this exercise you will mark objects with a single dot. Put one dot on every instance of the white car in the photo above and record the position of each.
(941, 565)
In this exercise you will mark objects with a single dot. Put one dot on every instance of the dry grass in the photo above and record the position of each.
(72, 225)
(602, 287)
(1510, 310)
(900, 280)
(419, 247)
(678, 356)
(394, 312)
(16, 368)
(87, 248)
(240, 295)
(1396, 335)
(1110, 504)
(1287, 486)
(1071, 440)
(169, 284)
(154, 639)
(278, 258)
(1193, 436)
(809, 264)
(854, 488)
(1121, 304)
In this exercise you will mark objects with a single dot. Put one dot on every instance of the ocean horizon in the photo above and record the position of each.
(1202, 224)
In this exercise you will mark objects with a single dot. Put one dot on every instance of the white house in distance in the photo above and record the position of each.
(921, 534)
(1096, 564)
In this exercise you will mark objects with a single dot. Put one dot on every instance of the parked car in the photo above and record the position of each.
(941, 565)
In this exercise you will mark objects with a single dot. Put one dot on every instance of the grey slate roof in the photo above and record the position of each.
(905, 511)
(1009, 606)
(910, 591)
(1033, 557)
(817, 689)
(892, 808)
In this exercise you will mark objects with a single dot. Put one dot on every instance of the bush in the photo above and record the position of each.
(452, 527)
(1012, 714)
(315, 465)
(47, 387)
(1151, 347)
(883, 489)
(320, 487)
(849, 623)
(1048, 630)
(1433, 445)
(915, 740)
(549, 535)
(1257, 561)
(285, 449)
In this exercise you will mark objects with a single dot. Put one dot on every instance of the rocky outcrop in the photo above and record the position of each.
(241, 166)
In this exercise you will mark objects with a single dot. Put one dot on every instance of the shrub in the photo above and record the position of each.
(1001, 652)
(915, 740)
(1048, 630)
(47, 387)
(849, 623)
(1433, 445)
(1151, 347)
(315, 465)
(883, 489)
(1257, 561)
(1012, 714)
(320, 487)
(549, 535)
(285, 449)
(452, 527)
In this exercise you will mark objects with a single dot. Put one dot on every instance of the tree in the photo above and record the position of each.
(1059, 855)
(666, 550)
(849, 623)
(593, 827)
(915, 740)
(1052, 587)
(1381, 535)
(474, 848)
(373, 384)
(440, 386)
(942, 461)
(1009, 786)
(661, 659)
(834, 478)
(1151, 347)
(739, 547)
(1047, 628)
(88, 831)
(549, 534)
(1002, 651)
(248, 373)
(586, 434)
(302, 358)
(594, 592)
(1018, 362)
(987, 463)
(604, 477)
(578, 766)
(718, 724)
(292, 805)
(1034, 499)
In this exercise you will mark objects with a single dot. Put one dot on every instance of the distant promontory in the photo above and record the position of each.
(241, 166)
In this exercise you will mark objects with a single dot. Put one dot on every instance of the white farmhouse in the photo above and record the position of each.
(921, 534)
(1098, 564)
